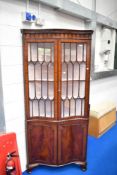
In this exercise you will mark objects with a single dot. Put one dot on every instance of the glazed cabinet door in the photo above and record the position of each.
(73, 79)
(41, 80)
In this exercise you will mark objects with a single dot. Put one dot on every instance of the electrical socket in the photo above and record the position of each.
(28, 17)
(40, 21)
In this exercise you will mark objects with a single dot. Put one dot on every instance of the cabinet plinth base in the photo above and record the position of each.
(83, 165)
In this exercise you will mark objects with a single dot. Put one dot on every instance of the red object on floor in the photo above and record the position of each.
(8, 144)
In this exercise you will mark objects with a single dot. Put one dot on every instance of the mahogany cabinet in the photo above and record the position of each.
(56, 78)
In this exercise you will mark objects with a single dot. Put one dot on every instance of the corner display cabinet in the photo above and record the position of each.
(56, 77)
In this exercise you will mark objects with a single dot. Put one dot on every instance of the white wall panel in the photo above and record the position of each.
(16, 125)
(55, 19)
(12, 74)
(14, 110)
(107, 8)
(10, 93)
(22, 149)
(10, 36)
(103, 90)
(11, 55)
(10, 12)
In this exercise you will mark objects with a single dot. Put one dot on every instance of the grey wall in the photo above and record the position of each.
(2, 118)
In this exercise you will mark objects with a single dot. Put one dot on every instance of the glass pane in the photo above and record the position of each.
(70, 71)
(82, 107)
(31, 71)
(63, 52)
(38, 90)
(64, 90)
(64, 71)
(31, 109)
(52, 54)
(47, 52)
(48, 108)
(44, 71)
(80, 52)
(67, 52)
(31, 90)
(82, 90)
(44, 90)
(62, 108)
(78, 107)
(76, 89)
(72, 107)
(82, 71)
(29, 57)
(70, 89)
(42, 108)
(51, 72)
(53, 108)
(66, 108)
(73, 51)
(41, 52)
(37, 71)
(51, 90)
(84, 52)
(35, 108)
(34, 51)
(76, 71)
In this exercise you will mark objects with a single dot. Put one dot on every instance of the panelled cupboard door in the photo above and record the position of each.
(42, 143)
(71, 142)
(41, 79)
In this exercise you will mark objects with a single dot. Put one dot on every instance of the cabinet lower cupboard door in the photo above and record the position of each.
(42, 141)
(71, 142)
(56, 83)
